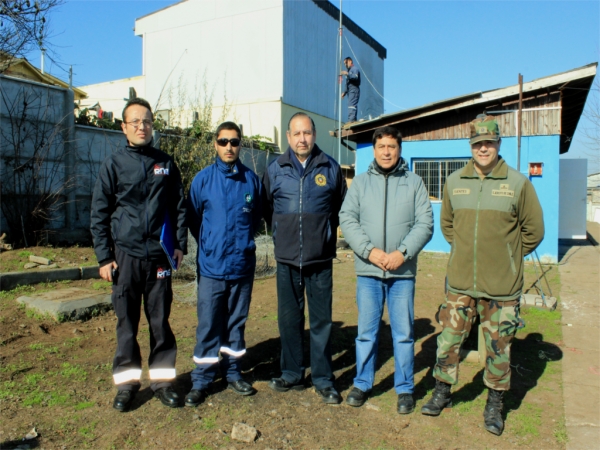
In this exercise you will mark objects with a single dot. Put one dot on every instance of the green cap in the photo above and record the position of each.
(484, 128)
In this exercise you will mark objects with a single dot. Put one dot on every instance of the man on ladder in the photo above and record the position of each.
(352, 87)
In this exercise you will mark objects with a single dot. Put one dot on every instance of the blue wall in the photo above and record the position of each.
(543, 149)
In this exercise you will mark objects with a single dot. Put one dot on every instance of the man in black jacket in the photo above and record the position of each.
(137, 190)
(303, 192)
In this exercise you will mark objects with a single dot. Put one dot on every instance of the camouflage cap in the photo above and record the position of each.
(484, 128)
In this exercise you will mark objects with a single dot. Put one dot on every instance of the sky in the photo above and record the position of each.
(435, 49)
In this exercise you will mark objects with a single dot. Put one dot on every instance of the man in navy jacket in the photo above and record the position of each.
(303, 192)
(224, 214)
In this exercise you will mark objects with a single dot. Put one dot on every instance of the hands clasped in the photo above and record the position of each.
(386, 261)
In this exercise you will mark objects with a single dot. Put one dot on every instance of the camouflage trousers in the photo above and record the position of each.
(499, 321)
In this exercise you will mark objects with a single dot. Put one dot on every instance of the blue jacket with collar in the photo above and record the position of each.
(224, 212)
(302, 211)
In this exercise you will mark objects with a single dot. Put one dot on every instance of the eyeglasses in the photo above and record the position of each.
(138, 123)
(223, 142)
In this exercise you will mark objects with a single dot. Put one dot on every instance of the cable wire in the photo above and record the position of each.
(365, 74)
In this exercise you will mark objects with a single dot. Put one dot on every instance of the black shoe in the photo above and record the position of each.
(406, 404)
(357, 398)
(281, 385)
(492, 414)
(195, 397)
(241, 387)
(168, 397)
(439, 400)
(330, 395)
(123, 400)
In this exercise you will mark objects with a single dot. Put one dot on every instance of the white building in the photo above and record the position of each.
(266, 59)
(112, 95)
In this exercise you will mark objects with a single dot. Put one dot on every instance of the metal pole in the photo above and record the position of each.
(519, 122)
(340, 91)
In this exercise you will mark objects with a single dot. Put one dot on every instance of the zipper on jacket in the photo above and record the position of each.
(300, 223)
(475, 238)
(146, 204)
(385, 189)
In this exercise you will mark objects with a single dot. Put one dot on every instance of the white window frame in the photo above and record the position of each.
(435, 171)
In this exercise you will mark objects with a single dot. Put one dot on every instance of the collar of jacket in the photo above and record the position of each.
(499, 172)
(140, 149)
(227, 169)
(317, 157)
(400, 168)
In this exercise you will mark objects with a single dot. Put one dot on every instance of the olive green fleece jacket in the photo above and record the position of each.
(491, 224)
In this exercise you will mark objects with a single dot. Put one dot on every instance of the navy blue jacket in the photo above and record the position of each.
(302, 211)
(224, 214)
(352, 80)
(135, 188)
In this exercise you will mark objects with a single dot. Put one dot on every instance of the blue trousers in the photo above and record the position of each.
(222, 312)
(353, 96)
(291, 284)
(371, 294)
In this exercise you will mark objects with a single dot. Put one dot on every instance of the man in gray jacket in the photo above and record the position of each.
(387, 220)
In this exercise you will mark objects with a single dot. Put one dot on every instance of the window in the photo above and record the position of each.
(434, 173)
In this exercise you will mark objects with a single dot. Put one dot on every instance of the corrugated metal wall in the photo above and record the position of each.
(311, 66)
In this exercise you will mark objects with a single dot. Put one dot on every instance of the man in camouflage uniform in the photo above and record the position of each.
(492, 218)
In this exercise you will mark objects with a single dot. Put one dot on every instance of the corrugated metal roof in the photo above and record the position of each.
(573, 86)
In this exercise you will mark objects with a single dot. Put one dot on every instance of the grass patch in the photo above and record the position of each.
(527, 420)
(84, 405)
(209, 422)
(16, 292)
(73, 371)
(57, 399)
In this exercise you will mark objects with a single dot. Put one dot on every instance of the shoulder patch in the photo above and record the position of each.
(503, 193)
(463, 191)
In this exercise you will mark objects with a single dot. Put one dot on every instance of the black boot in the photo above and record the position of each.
(439, 400)
(492, 414)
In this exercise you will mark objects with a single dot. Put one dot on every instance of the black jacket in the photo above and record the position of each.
(302, 211)
(134, 189)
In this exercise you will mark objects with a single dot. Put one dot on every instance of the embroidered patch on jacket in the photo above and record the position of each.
(503, 193)
(320, 180)
(461, 191)
(248, 198)
(160, 170)
(504, 187)
(163, 273)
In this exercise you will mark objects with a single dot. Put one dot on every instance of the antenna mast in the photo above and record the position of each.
(340, 92)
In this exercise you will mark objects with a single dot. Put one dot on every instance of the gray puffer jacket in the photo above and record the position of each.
(389, 212)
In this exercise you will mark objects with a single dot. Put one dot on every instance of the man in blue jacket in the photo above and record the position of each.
(352, 88)
(224, 214)
(303, 191)
(387, 220)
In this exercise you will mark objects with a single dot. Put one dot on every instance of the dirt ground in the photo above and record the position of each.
(57, 378)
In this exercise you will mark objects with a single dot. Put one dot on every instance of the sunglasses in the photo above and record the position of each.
(223, 142)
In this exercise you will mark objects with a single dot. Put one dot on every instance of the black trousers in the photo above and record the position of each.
(291, 283)
(135, 280)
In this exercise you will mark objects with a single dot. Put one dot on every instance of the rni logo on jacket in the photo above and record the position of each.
(160, 170)
(163, 273)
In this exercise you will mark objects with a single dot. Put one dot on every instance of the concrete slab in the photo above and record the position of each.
(584, 413)
(11, 280)
(69, 304)
(582, 367)
(89, 272)
(580, 304)
(580, 438)
(583, 337)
